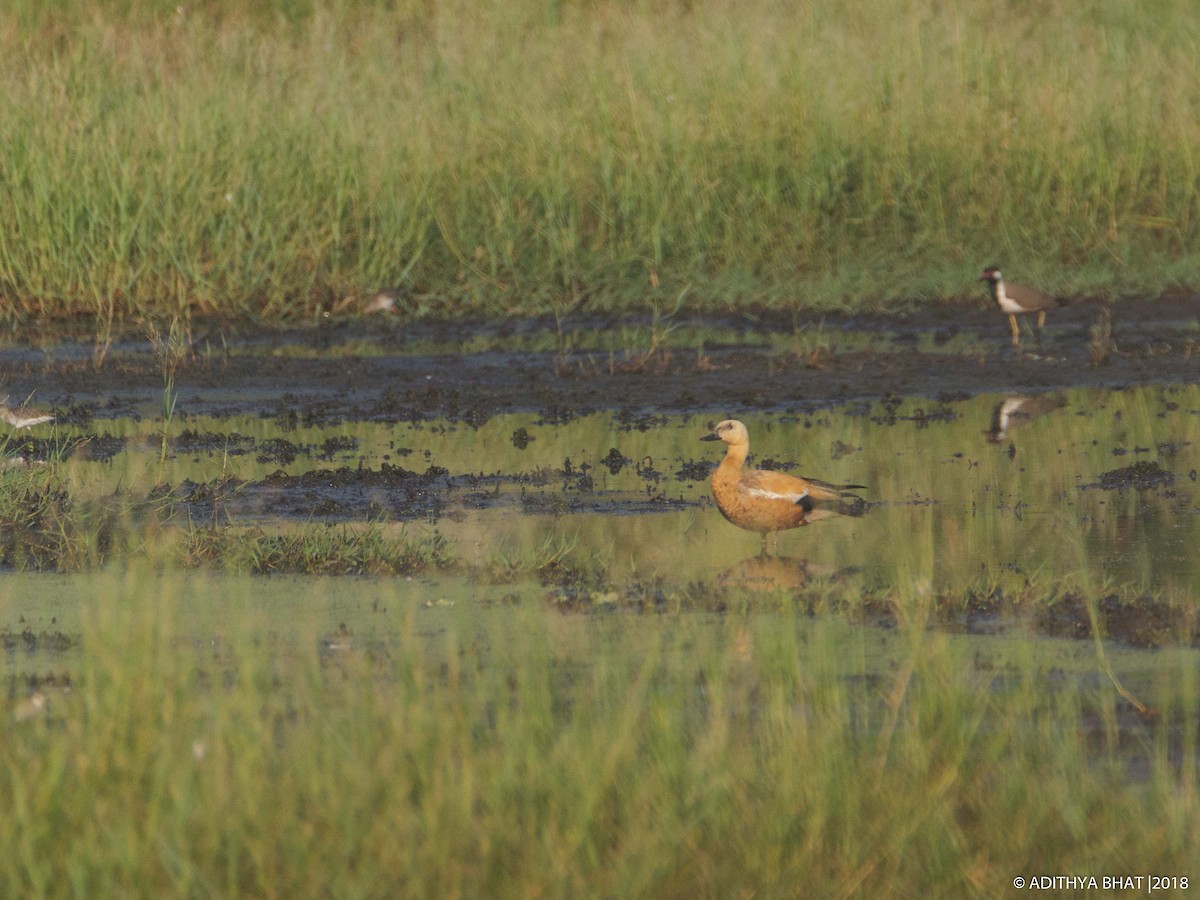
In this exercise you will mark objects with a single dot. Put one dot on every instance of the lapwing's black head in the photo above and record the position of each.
(991, 273)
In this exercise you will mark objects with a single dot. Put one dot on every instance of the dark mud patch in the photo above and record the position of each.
(190, 442)
(388, 373)
(774, 582)
(93, 447)
(394, 493)
(1144, 623)
(1140, 476)
(101, 447)
(43, 529)
(29, 641)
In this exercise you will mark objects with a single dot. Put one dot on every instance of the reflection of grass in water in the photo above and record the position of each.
(42, 528)
(502, 752)
(968, 517)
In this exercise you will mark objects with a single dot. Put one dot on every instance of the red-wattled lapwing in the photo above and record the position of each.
(1018, 300)
(766, 501)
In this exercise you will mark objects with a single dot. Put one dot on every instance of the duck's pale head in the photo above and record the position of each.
(731, 431)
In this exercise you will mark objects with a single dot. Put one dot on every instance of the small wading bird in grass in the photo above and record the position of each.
(386, 300)
(23, 417)
(1018, 300)
(766, 501)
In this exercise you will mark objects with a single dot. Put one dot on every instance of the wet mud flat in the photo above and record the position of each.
(348, 494)
(468, 371)
(465, 374)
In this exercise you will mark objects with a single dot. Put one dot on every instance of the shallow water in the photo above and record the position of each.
(1081, 517)
(368, 628)
(1089, 492)
(953, 508)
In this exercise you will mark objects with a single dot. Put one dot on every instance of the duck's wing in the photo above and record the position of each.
(807, 493)
(765, 485)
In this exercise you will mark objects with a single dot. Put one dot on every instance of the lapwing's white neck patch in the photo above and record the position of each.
(1005, 303)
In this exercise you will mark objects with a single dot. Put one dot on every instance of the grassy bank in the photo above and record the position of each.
(460, 753)
(276, 160)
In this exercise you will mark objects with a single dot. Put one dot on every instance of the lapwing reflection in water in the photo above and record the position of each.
(1013, 412)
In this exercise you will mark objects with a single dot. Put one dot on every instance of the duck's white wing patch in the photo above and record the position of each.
(764, 494)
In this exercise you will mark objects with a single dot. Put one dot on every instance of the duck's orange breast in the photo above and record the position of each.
(761, 501)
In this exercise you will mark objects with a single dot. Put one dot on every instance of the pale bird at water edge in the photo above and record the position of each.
(23, 417)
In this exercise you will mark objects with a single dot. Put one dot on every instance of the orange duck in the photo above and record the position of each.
(766, 501)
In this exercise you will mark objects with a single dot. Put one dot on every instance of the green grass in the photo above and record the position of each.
(274, 160)
(458, 751)
(45, 528)
(314, 550)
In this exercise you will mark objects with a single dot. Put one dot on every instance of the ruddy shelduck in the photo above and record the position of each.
(766, 501)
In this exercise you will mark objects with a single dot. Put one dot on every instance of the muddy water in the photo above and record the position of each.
(1006, 514)
(562, 464)
(1094, 486)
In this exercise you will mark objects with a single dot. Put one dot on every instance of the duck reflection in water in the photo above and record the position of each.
(767, 574)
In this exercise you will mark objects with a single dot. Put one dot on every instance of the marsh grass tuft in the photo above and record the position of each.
(170, 350)
(315, 550)
(41, 528)
(1100, 343)
(558, 561)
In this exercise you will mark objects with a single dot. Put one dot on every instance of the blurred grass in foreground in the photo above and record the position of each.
(457, 750)
(274, 160)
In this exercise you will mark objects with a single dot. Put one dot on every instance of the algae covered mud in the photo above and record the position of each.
(502, 618)
(552, 456)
